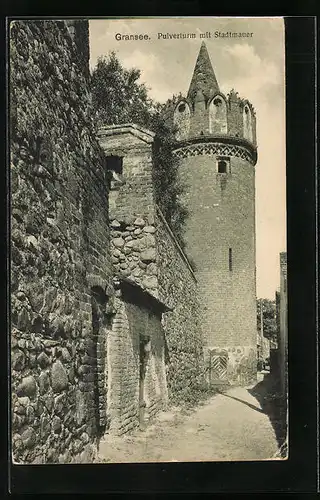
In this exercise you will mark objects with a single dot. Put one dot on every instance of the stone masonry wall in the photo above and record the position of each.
(178, 288)
(59, 250)
(145, 251)
(131, 322)
(134, 253)
(149, 255)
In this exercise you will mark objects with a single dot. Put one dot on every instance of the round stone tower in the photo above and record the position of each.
(216, 143)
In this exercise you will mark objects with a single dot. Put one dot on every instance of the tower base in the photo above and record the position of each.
(236, 366)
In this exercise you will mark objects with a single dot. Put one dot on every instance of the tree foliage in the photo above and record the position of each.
(119, 97)
(269, 321)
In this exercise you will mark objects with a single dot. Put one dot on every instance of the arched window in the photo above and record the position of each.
(218, 116)
(182, 120)
(247, 123)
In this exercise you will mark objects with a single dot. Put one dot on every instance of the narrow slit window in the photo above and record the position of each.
(230, 259)
(114, 165)
(223, 165)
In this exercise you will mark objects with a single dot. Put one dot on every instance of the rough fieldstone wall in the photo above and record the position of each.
(59, 249)
(145, 251)
(131, 322)
(134, 254)
(178, 288)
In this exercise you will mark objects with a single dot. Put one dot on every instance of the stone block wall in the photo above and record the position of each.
(134, 253)
(59, 250)
(145, 251)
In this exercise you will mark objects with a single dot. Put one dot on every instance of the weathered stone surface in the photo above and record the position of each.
(56, 425)
(118, 242)
(116, 252)
(23, 322)
(17, 442)
(115, 224)
(137, 272)
(28, 387)
(80, 407)
(148, 255)
(71, 374)
(18, 360)
(30, 414)
(65, 355)
(139, 222)
(59, 378)
(49, 402)
(152, 269)
(134, 244)
(149, 229)
(60, 404)
(28, 437)
(84, 438)
(87, 455)
(24, 401)
(44, 382)
(43, 360)
(150, 282)
(52, 455)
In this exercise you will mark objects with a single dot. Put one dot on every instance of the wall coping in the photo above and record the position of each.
(175, 241)
(127, 128)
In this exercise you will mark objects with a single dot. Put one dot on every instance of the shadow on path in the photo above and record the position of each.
(273, 404)
(244, 402)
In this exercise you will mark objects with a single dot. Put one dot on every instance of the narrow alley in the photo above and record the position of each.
(229, 426)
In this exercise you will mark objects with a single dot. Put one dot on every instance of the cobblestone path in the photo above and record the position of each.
(229, 426)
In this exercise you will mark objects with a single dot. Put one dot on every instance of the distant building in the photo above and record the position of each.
(279, 350)
(283, 323)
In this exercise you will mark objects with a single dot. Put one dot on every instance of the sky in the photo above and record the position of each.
(253, 66)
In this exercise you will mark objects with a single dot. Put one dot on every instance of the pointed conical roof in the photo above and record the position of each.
(203, 77)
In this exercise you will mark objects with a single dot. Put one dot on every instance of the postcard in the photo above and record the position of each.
(148, 240)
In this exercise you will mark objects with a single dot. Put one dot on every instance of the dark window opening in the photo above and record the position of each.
(223, 165)
(217, 102)
(182, 108)
(114, 163)
(230, 259)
